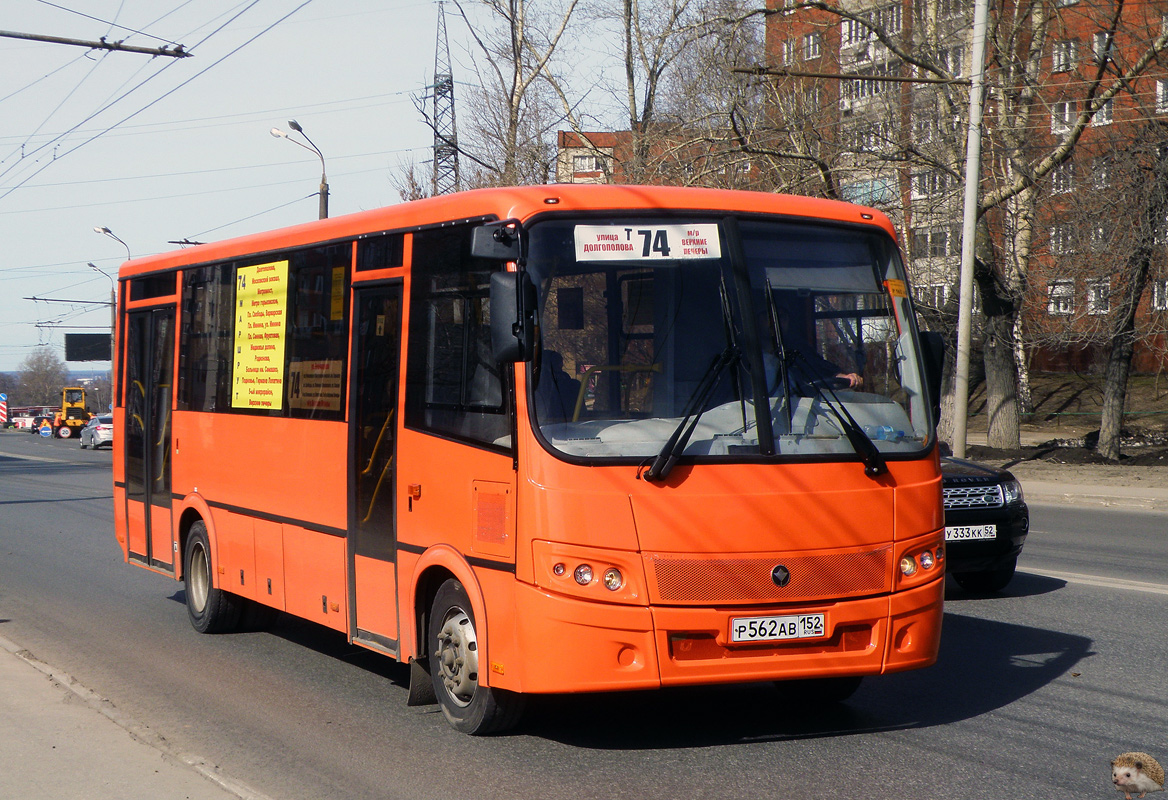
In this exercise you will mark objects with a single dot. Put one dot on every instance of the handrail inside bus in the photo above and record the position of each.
(376, 490)
(377, 444)
(588, 373)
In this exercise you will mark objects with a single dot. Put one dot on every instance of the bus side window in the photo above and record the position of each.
(454, 386)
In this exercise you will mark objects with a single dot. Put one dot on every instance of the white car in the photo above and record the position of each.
(98, 431)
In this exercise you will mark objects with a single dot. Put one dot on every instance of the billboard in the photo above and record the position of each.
(87, 347)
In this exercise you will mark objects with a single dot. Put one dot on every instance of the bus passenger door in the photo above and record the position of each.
(149, 378)
(372, 469)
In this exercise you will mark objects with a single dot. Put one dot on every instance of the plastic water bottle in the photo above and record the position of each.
(882, 432)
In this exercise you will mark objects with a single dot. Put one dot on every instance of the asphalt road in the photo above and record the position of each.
(1035, 691)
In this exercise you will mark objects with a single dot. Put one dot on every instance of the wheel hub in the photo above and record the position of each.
(458, 656)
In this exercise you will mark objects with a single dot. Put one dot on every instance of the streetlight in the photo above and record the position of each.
(311, 146)
(104, 231)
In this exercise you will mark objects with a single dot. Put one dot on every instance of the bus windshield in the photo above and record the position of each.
(728, 338)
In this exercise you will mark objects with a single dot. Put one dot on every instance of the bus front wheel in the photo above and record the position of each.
(454, 654)
(210, 610)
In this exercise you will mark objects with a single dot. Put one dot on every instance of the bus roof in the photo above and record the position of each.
(518, 202)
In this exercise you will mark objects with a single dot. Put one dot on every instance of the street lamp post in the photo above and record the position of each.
(104, 231)
(311, 146)
(113, 308)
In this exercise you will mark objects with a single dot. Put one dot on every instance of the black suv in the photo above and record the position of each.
(986, 522)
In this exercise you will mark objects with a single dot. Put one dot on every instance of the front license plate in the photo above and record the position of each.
(768, 629)
(961, 533)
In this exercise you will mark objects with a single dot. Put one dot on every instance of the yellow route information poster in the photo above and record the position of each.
(261, 306)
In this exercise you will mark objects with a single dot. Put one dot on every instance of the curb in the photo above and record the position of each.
(1122, 497)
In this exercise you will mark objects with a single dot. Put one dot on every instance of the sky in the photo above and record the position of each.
(161, 149)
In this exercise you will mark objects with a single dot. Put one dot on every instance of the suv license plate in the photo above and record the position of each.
(768, 629)
(960, 533)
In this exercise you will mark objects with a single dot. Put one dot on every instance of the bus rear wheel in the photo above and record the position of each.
(468, 705)
(210, 610)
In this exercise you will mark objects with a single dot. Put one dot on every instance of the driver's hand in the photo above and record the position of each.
(854, 381)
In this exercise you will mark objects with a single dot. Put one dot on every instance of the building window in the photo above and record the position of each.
(931, 184)
(1103, 46)
(1099, 296)
(936, 242)
(1064, 3)
(1060, 298)
(1102, 115)
(1162, 97)
(1062, 116)
(876, 192)
(1101, 172)
(1099, 238)
(933, 295)
(790, 51)
(1062, 178)
(585, 164)
(924, 128)
(813, 99)
(860, 89)
(1062, 239)
(952, 60)
(812, 46)
(1160, 295)
(1063, 56)
(857, 31)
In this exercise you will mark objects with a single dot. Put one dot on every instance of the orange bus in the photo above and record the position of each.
(545, 439)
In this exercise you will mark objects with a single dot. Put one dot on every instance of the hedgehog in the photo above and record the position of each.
(1136, 772)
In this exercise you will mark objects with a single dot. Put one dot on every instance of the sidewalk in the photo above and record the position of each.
(60, 740)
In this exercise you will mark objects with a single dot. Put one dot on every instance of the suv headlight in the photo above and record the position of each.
(1012, 492)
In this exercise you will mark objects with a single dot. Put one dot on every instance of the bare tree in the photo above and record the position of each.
(1107, 237)
(42, 377)
(1023, 148)
(506, 134)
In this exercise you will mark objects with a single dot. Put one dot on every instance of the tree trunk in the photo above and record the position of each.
(1001, 370)
(1025, 397)
(1001, 383)
(1124, 330)
(1123, 346)
(1114, 395)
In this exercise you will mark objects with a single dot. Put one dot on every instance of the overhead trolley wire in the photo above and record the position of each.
(158, 99)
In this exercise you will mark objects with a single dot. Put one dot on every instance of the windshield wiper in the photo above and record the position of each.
(874, 464)
(675, 444)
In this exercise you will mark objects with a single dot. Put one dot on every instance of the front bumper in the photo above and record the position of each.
(571, 645)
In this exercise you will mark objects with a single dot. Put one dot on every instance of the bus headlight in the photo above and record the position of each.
(589, 573)
(918, 565)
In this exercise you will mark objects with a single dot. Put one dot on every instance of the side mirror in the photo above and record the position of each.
(933, 356)
(498, 241)
(513, 325)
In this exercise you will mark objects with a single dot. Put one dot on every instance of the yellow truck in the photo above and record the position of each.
(71, 417)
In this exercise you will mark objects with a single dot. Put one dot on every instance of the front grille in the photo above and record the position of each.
(972, 497)
(677, 579)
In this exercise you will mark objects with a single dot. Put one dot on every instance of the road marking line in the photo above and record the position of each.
(1097, 580)
(22, 457)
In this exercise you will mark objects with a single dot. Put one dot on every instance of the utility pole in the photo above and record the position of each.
(968, 231)
(445, 128)
(178, 51)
